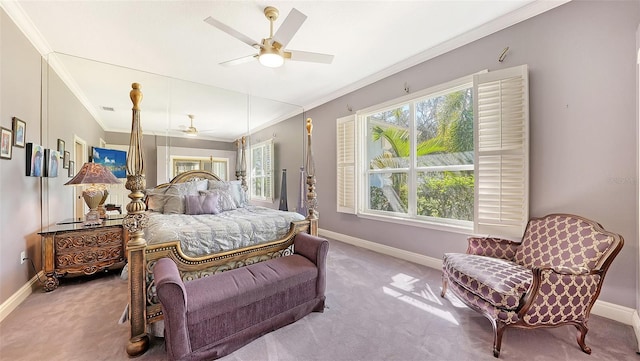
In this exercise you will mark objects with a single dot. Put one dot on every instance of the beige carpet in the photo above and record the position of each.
(379, 308)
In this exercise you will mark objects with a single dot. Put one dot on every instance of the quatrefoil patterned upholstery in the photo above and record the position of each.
(499, 282)
(562, 241)
(552, 277)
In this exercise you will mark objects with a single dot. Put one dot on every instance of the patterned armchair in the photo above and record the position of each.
(549, 279)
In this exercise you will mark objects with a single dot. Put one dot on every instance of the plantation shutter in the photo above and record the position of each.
(346, 164)
(501, 108)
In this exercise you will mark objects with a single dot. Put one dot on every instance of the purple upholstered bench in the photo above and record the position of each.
(213, 316)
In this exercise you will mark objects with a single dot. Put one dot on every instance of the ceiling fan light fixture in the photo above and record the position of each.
(271, 60)
(270, 56)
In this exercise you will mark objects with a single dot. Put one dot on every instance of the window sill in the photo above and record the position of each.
(462, 229)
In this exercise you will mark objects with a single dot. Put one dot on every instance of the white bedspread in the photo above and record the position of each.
(208, 233)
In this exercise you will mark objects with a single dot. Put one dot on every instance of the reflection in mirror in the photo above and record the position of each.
(170, 107)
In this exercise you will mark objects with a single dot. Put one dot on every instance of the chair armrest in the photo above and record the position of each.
(492, 247)
(560, 295)
(173, 299)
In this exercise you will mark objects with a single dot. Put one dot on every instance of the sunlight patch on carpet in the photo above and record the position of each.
(408, 289)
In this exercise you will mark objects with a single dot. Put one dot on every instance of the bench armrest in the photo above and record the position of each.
(312, 247)
(315, 249)
(173, 298)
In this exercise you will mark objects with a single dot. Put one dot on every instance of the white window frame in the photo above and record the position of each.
(267, 150)
(512, 210)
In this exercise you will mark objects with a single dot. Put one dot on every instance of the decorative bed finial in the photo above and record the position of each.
(136, 96)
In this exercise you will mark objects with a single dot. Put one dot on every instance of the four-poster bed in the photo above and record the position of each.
(144, 308)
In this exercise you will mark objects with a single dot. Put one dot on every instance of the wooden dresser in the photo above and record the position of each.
(72, 249)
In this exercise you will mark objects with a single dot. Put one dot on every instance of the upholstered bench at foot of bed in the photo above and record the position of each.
(213, 316)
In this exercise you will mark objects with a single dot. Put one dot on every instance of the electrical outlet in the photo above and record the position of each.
(23, 257)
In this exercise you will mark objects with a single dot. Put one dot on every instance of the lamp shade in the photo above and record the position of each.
(93, 173)
(94, 196)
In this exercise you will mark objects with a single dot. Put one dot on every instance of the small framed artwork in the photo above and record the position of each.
(51, 163)
(60, 146)
(19, 132)
(6, 136)
(34, 159)
(71, 168)
(65, 159)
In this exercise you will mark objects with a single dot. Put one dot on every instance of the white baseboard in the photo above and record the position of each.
(17, 298)
(622, 314)
(384, 249)
(636, 326)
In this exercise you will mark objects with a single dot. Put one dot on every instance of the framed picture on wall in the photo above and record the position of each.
(34, 159)
(19, 132)
(52, 163)
(6, 136)
(60, 146)
(66, 159)
(72, 168)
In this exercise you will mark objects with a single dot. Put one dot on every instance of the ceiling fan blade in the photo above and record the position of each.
(289, 27)
(244, 59)
(297, 55)
(231, 31)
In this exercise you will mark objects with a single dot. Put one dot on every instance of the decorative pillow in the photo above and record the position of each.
(202, 204)
(155, 200)
(174, 195)
(225, 201)
(201, 185)
(173, 205)
(234, 188)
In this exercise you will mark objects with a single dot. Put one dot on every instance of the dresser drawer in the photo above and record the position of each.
(87, 252)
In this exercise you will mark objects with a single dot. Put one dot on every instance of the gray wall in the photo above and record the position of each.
(581, 59)
(20, 206)
(638, 158)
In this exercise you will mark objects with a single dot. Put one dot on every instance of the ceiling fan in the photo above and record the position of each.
(272, 50)
(191, 130)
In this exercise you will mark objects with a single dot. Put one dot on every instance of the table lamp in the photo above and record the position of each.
(94, 174)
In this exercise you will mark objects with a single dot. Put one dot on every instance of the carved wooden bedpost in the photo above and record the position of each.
(312, 200)
(135, 222)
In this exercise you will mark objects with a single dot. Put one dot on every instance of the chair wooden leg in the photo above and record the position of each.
(444, 286)
(498, 330)
(581, 335)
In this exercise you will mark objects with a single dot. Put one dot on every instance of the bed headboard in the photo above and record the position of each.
(189, 176)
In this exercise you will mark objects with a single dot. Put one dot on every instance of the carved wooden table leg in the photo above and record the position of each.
(52, 280)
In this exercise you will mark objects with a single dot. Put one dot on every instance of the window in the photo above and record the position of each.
(455, 155)
(261, 174)
(217, 166)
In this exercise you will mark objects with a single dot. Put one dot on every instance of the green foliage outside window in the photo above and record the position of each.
(444, 126)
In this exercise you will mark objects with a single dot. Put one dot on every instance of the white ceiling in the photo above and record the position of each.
(94, 45)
